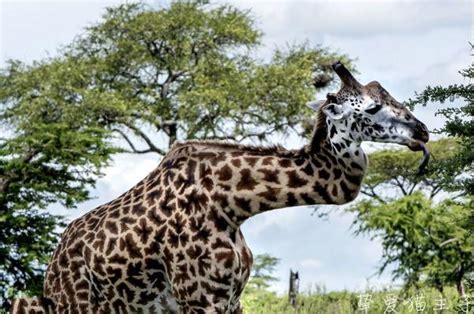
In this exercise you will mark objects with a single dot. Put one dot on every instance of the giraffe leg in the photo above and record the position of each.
(32, 305)
(194, 309)
(237, 308)
(209, 302)
(76, 293)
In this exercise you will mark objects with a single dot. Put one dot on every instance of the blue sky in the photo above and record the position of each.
(406, 45)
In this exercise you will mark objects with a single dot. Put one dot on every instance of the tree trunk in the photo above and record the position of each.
(172, 133)
(460, 288)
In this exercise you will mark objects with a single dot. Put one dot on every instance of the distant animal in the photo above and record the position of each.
(173, 244)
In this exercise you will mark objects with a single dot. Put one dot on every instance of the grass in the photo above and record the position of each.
(343, 302)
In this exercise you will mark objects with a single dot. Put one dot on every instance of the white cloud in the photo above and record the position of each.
(31, 30)
(123, 173)
(360, 18)
(126, 171)
(310, 263)
(445, 72)
(282, 218)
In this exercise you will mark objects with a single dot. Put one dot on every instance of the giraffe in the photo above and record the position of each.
(172, 243)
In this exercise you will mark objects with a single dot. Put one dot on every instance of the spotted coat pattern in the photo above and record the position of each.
(172, 243)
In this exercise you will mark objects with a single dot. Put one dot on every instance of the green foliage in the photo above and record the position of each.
(262, 268)
(456, 172)
(187, 71)
(395, 170)
(459, 123)
(51, 151)
(26, 237)
(426, 241)
(256, 291)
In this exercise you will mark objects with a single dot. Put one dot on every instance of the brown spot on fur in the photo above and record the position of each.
(270, 194)
(243, 204)
(323, 193)
(207, 183)
(323, 174)
(237, 154)
(221, 199)
(308, 169)
(355, 180)
(236, 162)
(263, 207)
(112, 227)
(166, 205)
(307, 199)
(247, 182)
(251, 161)
(267, 161)
(291, 200)
(348, 193)
(138, 209)
(285, 163)
(225, 173)
(143, 231)
(129, 244)
(270, 175)
(219, 222)
(294, 180)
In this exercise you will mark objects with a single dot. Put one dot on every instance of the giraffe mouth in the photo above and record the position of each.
(417, 145)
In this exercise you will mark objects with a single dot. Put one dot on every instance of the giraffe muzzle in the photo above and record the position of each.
(420, 136)
(421, 132)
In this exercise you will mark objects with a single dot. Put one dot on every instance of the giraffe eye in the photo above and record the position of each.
(374, 109)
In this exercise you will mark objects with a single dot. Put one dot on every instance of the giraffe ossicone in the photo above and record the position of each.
(172, 243)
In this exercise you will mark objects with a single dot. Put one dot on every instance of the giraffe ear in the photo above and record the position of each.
(315, 105)
(336, 111)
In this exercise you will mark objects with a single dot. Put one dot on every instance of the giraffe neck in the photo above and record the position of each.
(346, 146)
(327, 171)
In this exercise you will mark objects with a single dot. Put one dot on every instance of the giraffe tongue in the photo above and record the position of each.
(416, 145)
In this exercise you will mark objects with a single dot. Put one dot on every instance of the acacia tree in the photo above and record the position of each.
(457, 171)
(423, 240)
(148, 77)
(187, 72)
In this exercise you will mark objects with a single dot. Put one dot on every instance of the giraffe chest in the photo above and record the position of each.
(167, 273)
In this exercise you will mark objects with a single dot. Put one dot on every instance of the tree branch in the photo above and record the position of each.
(400, 185)
(130, 143)
(412, 188)
(436, 189)
(172, 77)
(372, 193)
(144, 137)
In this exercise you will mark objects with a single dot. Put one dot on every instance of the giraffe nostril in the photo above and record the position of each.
(421, 132)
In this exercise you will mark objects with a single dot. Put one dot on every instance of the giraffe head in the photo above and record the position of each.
(369, 113)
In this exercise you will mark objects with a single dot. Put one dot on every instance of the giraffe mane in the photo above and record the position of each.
(277, 150)
(319, 135)
(320, 131)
